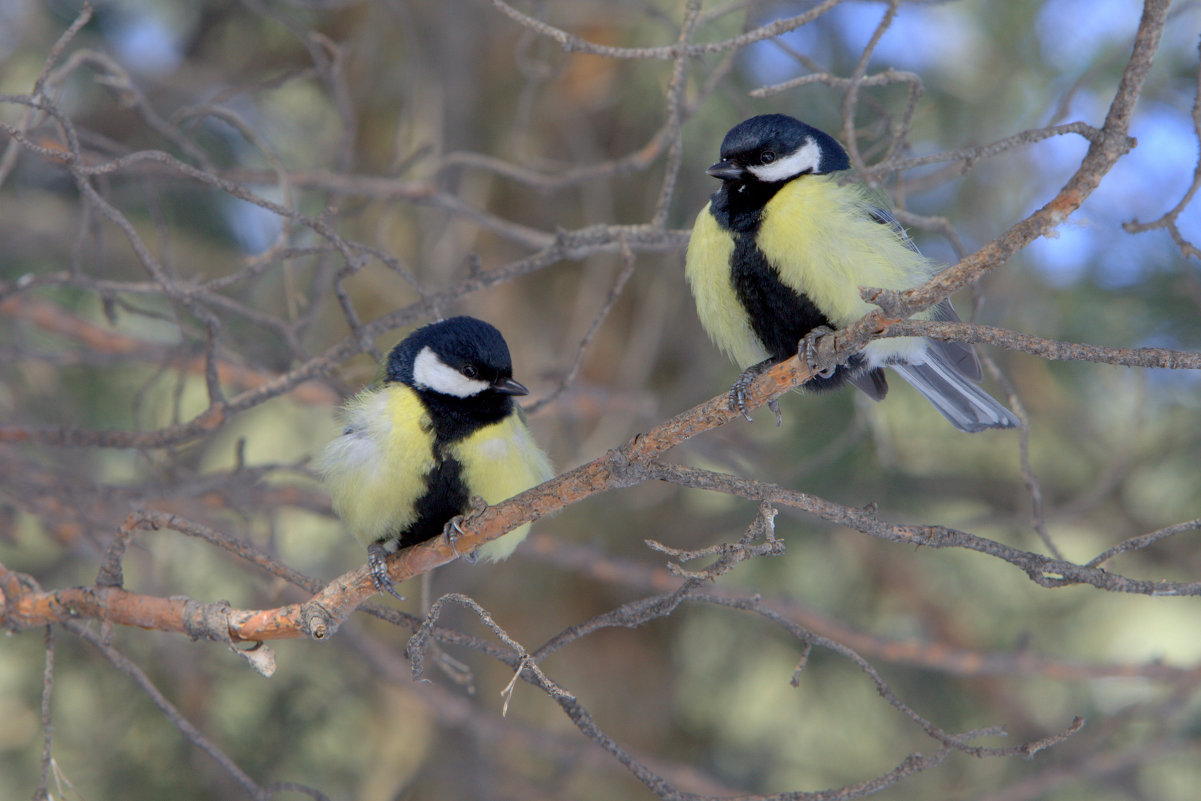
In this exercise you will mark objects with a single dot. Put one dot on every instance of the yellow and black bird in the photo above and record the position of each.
(438, 427)
(779, 254)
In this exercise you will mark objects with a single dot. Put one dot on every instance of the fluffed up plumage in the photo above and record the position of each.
(780, 252)
(439, 427)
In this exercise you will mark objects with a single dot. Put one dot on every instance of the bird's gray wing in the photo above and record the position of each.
(872, 382)
(958, 355)
(961, 401)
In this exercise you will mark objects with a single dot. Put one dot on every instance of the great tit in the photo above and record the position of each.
(778, 256)
(437, 427)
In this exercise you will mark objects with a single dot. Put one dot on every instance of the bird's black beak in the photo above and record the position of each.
(507, 386)
(726, 171)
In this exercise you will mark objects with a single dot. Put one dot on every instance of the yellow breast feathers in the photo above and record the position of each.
(376, 470)
(822, 239)
(499, 461)
(707, 269)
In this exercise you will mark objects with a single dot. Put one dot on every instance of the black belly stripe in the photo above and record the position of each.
(446, 492)
(779, 315)
(446, 495)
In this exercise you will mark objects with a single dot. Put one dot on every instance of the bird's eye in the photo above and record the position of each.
(767, 157)
(469, 371)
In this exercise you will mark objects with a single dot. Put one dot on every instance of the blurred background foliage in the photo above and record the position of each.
(400, 90)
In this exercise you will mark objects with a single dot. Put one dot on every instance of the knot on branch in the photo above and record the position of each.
(207, 621)
(317, 621)
(889, 301)
(623, 472)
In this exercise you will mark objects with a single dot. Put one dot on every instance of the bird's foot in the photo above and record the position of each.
(377, 561)
(743, 383)
(808, 351)
(774, 405)
(453, 529)
(451, 533)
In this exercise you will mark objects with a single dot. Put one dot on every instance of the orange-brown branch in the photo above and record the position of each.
(24, 605)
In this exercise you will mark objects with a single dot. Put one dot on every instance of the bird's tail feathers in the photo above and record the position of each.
(967, 406)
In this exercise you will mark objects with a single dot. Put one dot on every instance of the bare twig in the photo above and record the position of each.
(210, 334)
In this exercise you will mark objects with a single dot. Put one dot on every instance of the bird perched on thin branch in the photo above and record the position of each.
(778, 255)
(437, 427)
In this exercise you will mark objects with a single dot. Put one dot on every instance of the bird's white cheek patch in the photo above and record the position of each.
(804, 160)
(430, 372)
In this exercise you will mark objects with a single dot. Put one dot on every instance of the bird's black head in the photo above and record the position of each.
(460, 367)
(775, 148)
